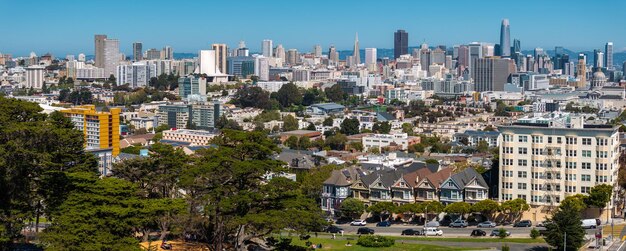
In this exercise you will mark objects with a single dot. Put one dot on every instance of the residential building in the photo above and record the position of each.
(101, 129)
(175, 116)
(468, 186)
(221, 53)
(192, 85)
(206, 116)
(473, 138)
(336, 188)
(194, 137)
(401, 141)
(267, 48)
(107, 54)
(34, 77)
(427, 187)
(136, 75)
(608, 50)
(137, 51)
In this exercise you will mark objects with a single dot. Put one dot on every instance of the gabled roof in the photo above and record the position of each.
(343, 177)
(439, 177)
(385, 116)
(468, 174)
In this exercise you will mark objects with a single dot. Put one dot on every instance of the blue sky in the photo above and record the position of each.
(68, 26)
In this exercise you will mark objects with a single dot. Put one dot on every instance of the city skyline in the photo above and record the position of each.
(461, 26)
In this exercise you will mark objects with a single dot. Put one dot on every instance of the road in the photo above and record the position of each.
(447, 231)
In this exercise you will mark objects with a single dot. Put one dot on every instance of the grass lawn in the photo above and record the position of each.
(330, 244)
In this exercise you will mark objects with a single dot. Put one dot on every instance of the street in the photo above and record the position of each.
(396, 230)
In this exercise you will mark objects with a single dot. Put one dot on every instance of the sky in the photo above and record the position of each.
(68, 26)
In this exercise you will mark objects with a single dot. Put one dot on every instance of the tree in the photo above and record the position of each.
(599, 196)
(225, 123)
(483, 146)
(292, 142)
(409, 209)
(502, 233)
(289, 95)
(334, 93)
(514, 207)
(352, 208)
(574, 201)
(350, 126)
(312, 96)
(337, 141)
(407, 128)
(430, 207)
(290, 123)
(380, 209)
(565, 221)
(252, 97)
(311, 127)
(460, 208)
(311, 181)
(381, 127)
(304, 142)
(357, 146)
(328, 121)
(486, 207)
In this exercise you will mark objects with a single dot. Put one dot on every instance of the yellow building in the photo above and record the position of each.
(101, 129)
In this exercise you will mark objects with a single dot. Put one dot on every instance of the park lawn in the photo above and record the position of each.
(330, 244)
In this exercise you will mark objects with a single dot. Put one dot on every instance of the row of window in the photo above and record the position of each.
(556, 152)
(556, 163)
(555, 176)
(558, 140)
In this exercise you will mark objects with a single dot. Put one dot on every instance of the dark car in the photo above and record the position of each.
(334, 230)
(411, 231)
(523, 223)
(365, 230)
(383, 224)
(478, 232)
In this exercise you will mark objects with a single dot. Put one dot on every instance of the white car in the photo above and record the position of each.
(432, 231)
(358, 223)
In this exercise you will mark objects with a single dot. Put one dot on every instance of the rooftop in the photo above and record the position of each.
(190, 132)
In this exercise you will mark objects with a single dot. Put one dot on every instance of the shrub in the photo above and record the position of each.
(505, 248)
(534, 233)
(502, 233)
(375, 241)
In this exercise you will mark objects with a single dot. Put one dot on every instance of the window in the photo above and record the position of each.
(570, 153)
(507, 196)
(585, 165)
(586, 153)
(522, 162)
(521, 196)
(537, 163)
(601, 166)
(549, 140)
(521, 186)
(600, 154)
(558, 140)
(537, 139)
(507, 185)
(507, 149)
(570, 177)
(585, 189)
(601, 178)
(602, 142)
(507, 173)
(586, 141)
(570, 140)
(507, 162)
(585, 177)
(521, 174)
(522, 139)
(537, 151)
(536, 175)
(507, 138)
(536, 187)
(570, 189)
(570, 165)
(522, 150)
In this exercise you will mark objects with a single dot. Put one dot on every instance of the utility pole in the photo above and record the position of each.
(564, 241)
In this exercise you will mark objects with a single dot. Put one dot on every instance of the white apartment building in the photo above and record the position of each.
(384, 140)
(34, 77)
(194, 137)
(136, 75)
(547, 159)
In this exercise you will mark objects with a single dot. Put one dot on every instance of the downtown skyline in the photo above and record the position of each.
(461, 26)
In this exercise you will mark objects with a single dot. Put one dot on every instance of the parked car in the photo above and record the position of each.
(432, 223)
(496, 232)
(383, 224)
(358, 223)
(458, 223)
(365, 230)
(411, 231)
(589, 223)
(478, 232)
(432, 231)
(541, 224)
(486, 224)
(523, 223)
(334, 230)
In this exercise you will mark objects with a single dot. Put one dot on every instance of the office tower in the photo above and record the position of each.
(292, 57)
(111, 56)
(137, 51)
(463, 57)
(356, 54)
(191, 85)
(101, 129)
(280, 53)
(34, 77)
(570, 69)
(221, 53)
(333, 55)
(262, 68)
(424, 56)
(448, 63)
(400, 43)
(99, 50)
(491, 74)
(558, 57)
(175, 116)
(153, 54)
(167, 53)
(505, 39)
(370, 58)
(517, 46)
(475, 51)
(608, 50)
(242, 50)
(544, 161)
(241, 66)
(581, 71)
(489, 50)
(206, 61)
(538, 52)
(268, 48)
(438, 56)
(136, 75)
(317, 51)
(598, 59)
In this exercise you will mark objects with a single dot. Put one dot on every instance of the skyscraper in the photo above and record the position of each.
(221, 53)
(99, 50)
(581, 71)
(356, 54)
(505, 39)
(598, 59)
(317, 51)
(292, 56)
(167, 53)
(370, 58)
(608, 50)
(333, 56)
(491, 74)
(280, 53)
(206, 62)
(111, 56)
(268, 48)
(242, 51)
(137, 51)
(400, 43)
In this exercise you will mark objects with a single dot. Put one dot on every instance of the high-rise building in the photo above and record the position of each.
(136, 75)
(153, 54)
(463, 56)
(581, 71)
(191, 85)
(598, 59)
(356, 54)
(242, 50)
(544, 160)
(333, 55)
(505, 39)
(292, 57)
(491, 74)
(280, 53)
(137, 51)
(81, 57)
(475, 51)
(221, 54)
(370, 58)
(317, 51)
(167, 53)
(608, 50)
(438, 56)
(101, 129)
(34, 77)
(206, 61)
(424, 53)
(400, 43)
(268, 48)
(538, 52)
(241, 66)
(99, 50)
(262, 68)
